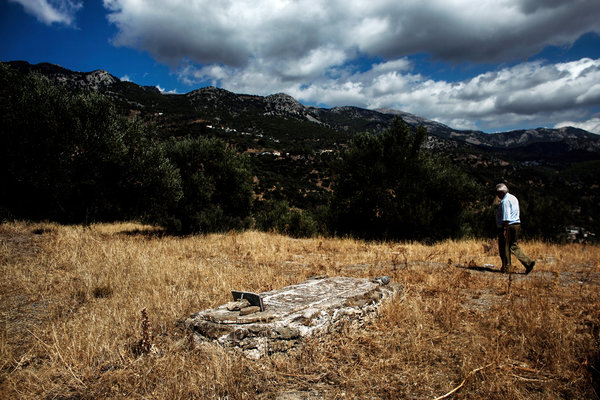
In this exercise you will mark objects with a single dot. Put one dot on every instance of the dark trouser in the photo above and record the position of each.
(508, 244)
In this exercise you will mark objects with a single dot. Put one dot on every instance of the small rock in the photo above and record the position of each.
(249, 310)
(263, 316)
(237, 305)
(382, 280)
(298, 395)
(286, 333)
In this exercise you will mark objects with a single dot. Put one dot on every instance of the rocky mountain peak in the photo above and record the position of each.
(212, 94)
(99, 78)
(96, 80)
(284, 103)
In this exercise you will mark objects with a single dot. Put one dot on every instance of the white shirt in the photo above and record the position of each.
(508, 211)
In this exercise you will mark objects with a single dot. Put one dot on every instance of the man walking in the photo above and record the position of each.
(509, 225)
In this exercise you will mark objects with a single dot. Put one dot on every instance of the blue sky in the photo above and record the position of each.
(489, 65)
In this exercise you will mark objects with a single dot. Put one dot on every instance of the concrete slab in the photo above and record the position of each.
(313, 307)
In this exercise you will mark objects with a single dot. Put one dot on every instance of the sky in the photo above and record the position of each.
(489, 65)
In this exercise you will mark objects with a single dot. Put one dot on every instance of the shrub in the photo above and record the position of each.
(278, 216)
(216, 186)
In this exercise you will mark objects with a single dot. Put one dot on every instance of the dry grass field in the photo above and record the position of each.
(71, 299)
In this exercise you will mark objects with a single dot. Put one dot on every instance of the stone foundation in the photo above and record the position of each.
(314, 307)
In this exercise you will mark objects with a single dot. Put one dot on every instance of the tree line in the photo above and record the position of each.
(72, 157)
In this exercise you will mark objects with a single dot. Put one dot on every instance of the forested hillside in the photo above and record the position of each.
(79, 147)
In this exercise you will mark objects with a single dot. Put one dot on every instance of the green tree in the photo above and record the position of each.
(216, 184)
(388, 187)
(150, 185)
(70, 156)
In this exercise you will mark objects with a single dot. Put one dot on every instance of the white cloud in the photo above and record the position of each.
(591, 125)
(126, 78)
(312, 50)
(531, 92)
(313, 64)
(163, 90)
(52, 11)
(235, 31)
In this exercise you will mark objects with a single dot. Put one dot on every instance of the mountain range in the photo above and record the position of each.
(291, 147)
(257, 114)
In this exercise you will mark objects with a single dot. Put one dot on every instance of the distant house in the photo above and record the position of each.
(578, 234)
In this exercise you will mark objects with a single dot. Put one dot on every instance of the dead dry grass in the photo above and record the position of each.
(71, 301)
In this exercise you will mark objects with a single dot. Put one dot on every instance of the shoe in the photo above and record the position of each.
(529, 267)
